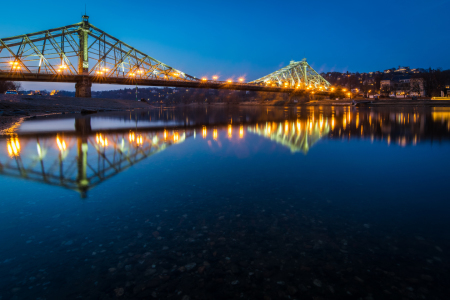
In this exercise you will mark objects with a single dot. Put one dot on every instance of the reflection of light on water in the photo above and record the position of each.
(215, 134)
(230, 131)
(61, 144)
(291, 135)
(13, 146)
(101, 140)
(204, 133)
(241, 131)
(131, 137)
(441, 116)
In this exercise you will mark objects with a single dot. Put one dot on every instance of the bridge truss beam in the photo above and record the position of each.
(81, 49)
(296, 75)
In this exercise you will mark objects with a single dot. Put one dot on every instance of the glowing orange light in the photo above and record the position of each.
(241, 131)
(131, 137)
(13, 146)
(204, 78)
(215, 77)
(61, 144)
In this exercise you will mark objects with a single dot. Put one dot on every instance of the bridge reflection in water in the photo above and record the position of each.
(64, 160)
(298, 136)
(82, 159)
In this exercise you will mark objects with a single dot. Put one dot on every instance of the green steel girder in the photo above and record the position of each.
(81, 49)
(297, 75)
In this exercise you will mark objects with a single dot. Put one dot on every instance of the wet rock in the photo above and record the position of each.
(291, 290)
(317, 282)
(190, 266)
(119, 292)
(149, 272)
(426, 277)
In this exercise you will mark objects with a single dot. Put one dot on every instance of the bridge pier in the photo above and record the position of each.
(83, 88)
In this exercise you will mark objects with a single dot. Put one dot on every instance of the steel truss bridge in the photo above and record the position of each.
(84, 54)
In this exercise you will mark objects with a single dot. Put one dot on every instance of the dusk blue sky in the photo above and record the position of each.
(254, 38)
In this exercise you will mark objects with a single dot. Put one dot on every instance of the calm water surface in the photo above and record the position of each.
(231, 203)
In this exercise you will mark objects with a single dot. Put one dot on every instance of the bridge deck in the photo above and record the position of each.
(209, 84)
(144, 82)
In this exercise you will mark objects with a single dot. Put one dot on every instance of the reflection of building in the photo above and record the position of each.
(297, 136)
(401, 128)
(81, 162)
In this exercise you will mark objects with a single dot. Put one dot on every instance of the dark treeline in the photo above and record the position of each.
(8, 85)
(435, 81)
(170, 96)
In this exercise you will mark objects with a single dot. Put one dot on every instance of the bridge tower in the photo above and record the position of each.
(83, 87)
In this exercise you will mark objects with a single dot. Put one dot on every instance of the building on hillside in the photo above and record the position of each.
(402, 86)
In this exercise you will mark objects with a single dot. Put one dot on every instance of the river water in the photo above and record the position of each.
(228, 203)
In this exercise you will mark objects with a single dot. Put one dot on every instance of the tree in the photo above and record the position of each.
(385, 90)
(415, 87)
(8, 85)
